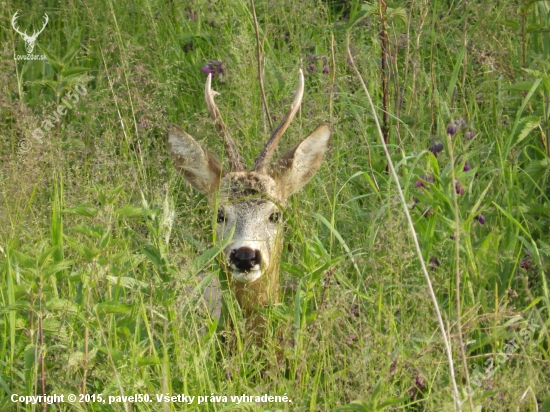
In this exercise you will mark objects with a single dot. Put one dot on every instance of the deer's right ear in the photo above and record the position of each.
(199, 167)
(298, 165)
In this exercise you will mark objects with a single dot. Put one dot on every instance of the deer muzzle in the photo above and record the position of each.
(246, 264)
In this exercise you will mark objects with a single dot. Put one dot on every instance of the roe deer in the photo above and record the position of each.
(250, 201)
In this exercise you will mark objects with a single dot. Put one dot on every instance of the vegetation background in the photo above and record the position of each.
(102, 244)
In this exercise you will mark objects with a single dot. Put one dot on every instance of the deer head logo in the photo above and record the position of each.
(30, 41)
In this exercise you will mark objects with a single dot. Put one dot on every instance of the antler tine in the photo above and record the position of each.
(235, 160)
(262, 161)
(13, 20)
(43, 27)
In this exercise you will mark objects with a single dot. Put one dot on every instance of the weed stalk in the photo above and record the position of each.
(454, 184)
(384, 43)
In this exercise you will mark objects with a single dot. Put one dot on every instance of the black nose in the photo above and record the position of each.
(245, 258)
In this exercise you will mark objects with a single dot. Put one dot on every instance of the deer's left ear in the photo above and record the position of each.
(298, 165)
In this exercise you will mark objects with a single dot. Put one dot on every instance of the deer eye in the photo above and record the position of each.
(221, 216)
(274, 217)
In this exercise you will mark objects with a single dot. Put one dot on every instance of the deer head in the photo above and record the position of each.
(252, 201)
(30, 41)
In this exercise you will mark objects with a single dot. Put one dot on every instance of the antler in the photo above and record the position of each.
(43, 27)
(262, 161)
(13, 19)
(235, 160)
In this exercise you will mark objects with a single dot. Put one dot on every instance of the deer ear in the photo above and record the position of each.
(199, 167)
(297, 166)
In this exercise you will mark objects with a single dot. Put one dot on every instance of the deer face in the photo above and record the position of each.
(250, 202)
(247, 202)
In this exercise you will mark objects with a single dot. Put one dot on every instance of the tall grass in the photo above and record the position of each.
(105, 251)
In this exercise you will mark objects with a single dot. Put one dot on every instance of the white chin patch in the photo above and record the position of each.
(247, 277)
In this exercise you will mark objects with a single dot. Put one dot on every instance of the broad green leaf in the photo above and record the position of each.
(398, 13)
(148, 360)
(61, 305)
(126, 282)
(512, 134)
(395, 401)
(510, 23)
(113, 307)
(130, 211)
(30, 356)
(522, 86)
(82, 210)
(525, 126)
(154, 255)
(92, 231)
(74, 70)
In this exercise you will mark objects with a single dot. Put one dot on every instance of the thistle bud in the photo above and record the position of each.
(480, 218)
(459, 189)
(424, 178)
(420, 382)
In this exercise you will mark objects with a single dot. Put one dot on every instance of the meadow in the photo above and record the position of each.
(105, 250)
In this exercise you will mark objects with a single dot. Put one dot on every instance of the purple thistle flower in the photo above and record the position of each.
(326, 70)
(452, 129)
(312, 68)
(413, 203)
(420, 183)
(466, 166)
(480, 218)
(213, 67)
(526, 261)
(436, 146)
(434, 263)
(209, 70)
